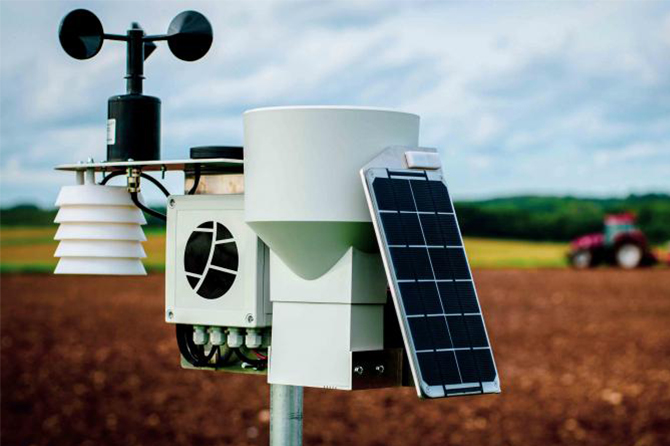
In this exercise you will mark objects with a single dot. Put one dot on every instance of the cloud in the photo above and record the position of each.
(519, 97)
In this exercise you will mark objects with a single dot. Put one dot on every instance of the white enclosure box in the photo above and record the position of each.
(319, 324)
(216, 266)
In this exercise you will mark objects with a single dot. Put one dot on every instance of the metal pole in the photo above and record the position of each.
(285, 415)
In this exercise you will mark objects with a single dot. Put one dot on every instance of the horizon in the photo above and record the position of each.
(632, 196)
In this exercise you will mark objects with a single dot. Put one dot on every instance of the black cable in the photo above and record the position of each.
(239, 352)
(112, 175)
(225, 353)
(184, 341)
(196, 180)
(156, 183)
(133, 196)
(195, 354)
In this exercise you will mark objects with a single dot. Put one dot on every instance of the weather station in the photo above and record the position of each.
(323, 253)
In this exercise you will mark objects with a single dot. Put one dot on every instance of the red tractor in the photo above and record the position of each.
(622, 244)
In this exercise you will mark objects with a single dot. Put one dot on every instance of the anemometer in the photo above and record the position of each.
(133, 124)
(325, 253)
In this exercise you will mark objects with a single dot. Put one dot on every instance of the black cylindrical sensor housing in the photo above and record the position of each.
(133, 128)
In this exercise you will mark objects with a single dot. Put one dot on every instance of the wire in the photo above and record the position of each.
(112, 175)
(241, 355)
(156, 183)
(225, 353)
(184, 342)
(195, 354)
(133, 196)
(196, 180)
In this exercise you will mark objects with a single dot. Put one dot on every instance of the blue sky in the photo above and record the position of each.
(520, 97)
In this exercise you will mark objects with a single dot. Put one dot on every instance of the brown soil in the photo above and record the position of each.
(584, 358)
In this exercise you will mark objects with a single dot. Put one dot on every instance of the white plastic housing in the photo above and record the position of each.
(99, 231)
(246, 302)
(303, 196)
(318, 324)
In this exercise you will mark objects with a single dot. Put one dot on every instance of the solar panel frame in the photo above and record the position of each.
(443, 358)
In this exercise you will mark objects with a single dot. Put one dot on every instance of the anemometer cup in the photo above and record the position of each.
(190, 36)
(80, 34)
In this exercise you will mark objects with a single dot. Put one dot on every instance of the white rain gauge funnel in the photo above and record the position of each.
(303, 193)
(100, 230)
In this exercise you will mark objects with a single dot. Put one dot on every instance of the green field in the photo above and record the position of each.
(31, 250)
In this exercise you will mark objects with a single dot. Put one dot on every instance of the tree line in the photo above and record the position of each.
(520, 217)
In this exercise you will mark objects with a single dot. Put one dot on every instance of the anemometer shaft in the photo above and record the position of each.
(135, 61)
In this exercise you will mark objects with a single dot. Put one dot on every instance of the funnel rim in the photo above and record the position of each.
(328, 107)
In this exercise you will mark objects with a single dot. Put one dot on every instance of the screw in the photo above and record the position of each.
(172, 202)
(358, 370)
(250, 318)
(380, 369)
(170, 314)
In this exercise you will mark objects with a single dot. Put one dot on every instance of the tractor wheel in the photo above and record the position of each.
(628, 255)
(581, 259)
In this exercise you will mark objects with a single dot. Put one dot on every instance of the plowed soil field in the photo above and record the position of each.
(583, 357)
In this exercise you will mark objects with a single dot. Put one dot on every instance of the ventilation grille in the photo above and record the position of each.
(211, 260)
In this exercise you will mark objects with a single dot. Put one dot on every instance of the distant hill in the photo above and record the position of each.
(520, 217)
(560, 218)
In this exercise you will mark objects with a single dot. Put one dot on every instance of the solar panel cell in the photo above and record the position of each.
(402, 194)
(421, 334)
(440, 196)
(467, 331)
(449, 369)
(384, 194)
(420, 298)
(430, 298)
(411, 263)
(439, 259)
(467, 366)
(476, 331)
(484, 360)
(449, 230)
(439, 332)
(422, 197)
(467, 297)
(402, 229)
(431, 229)
(449, 297)
(429, 368)
(458, 263)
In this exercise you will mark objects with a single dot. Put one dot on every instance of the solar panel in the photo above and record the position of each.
(431, 284)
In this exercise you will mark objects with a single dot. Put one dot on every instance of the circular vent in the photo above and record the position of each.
(211, 260)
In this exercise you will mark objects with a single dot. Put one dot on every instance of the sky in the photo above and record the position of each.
(519, 97)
